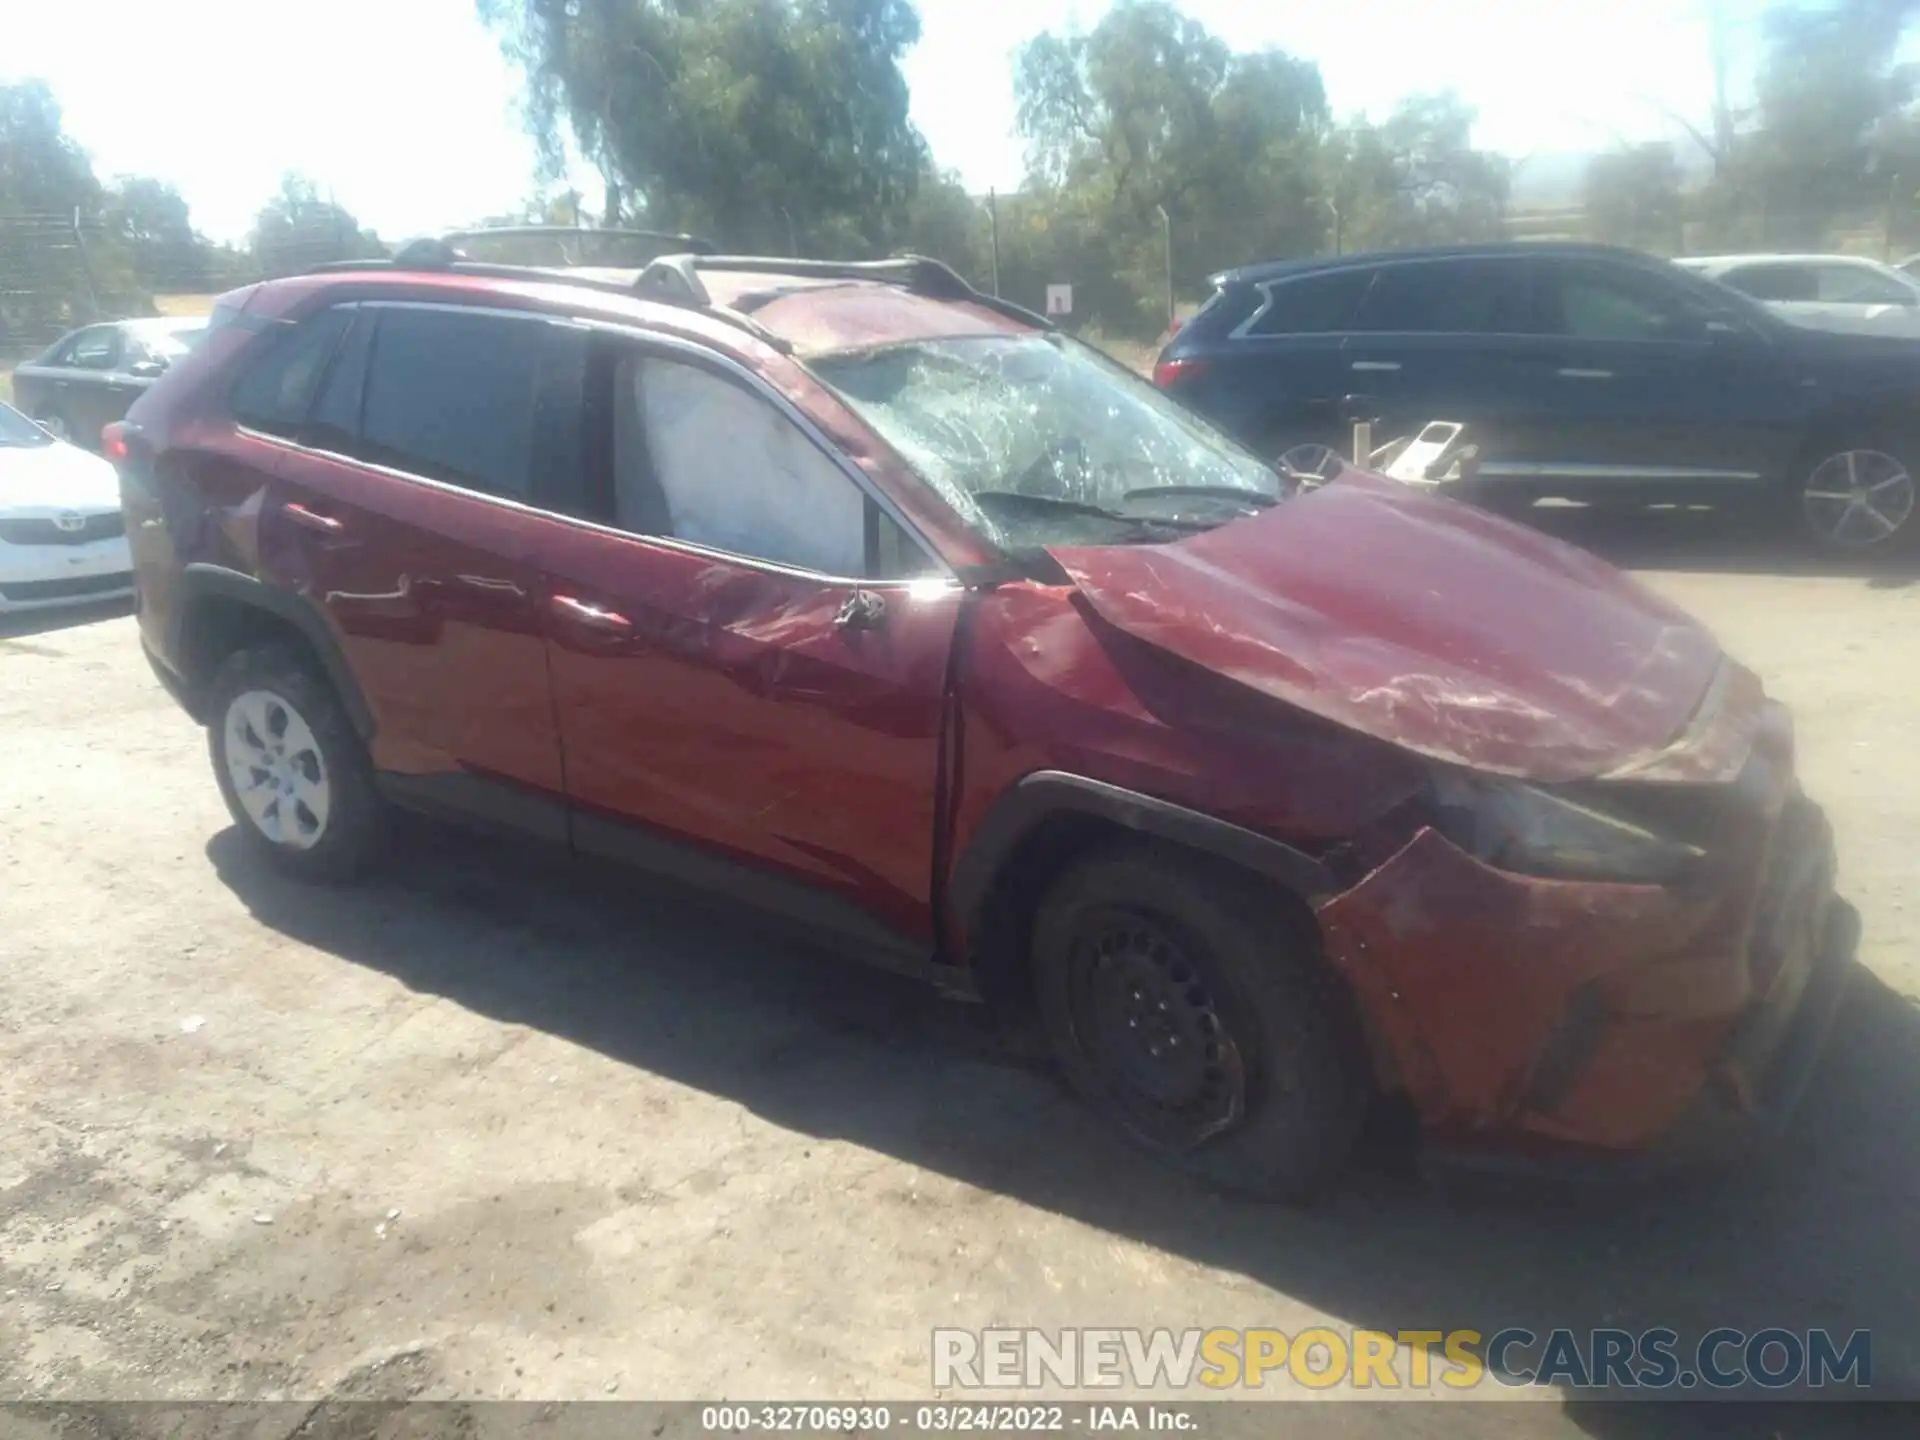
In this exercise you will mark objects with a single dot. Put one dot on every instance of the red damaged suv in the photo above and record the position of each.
(855, 594)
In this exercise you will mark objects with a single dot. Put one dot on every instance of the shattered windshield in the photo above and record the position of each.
(1038, 439)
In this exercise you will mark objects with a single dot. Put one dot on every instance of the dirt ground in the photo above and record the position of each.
(498, 1126)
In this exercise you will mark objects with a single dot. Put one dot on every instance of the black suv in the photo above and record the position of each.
(1584, 372)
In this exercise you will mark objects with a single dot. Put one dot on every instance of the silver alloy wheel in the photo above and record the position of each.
(1318, 463)
(54, 425)
(277, 771)
(1858, 498)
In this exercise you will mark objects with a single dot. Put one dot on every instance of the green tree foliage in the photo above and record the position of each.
(1151, 122)
(46, 183)
(1830, 139)
(1415, 178)
(763, 122)
(73, 249)
(299, 228)
(1633, 197)
(147, 223)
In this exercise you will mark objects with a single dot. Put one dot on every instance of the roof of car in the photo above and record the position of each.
(804, 307)
(1285, 269)
(1728, 262)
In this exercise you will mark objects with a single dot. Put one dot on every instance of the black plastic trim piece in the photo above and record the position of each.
(482, 800)
(804, 906)
(1046, 793)
(201, 579)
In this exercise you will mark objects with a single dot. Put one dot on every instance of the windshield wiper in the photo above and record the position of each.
(1224, 492)
(1082, 507)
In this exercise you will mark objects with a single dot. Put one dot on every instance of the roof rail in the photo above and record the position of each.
(675, 279)
(677, 243)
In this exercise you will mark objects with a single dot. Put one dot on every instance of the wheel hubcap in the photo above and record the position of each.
(1314, 463)
(277, 770)
(54, 426)
(1146, 1017)
(1858, 498)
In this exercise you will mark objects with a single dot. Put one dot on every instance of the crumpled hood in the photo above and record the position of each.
(1438, 628)
(44, 478)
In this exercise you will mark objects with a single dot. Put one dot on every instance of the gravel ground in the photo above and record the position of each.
(497, 1126)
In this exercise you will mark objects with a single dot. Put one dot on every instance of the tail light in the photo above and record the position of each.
(1169, 373)
(113, 441)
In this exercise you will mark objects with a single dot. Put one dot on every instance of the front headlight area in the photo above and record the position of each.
(1529, 830)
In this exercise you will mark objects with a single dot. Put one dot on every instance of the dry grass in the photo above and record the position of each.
(184, 304)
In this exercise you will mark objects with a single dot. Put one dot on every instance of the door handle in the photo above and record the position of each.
(311, 519)
(593, 617)
(1572, 372)
(862, 610)
(1375, 365)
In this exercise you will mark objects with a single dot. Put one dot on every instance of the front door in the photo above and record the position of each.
(749, 656)
(1446, 340)
(401, 515)
(1650, 391)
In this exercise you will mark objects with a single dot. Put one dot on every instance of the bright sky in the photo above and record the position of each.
(406, 110)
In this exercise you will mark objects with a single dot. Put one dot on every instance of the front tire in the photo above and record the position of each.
(1191, 1008)
(294, 774)
(1856, 499)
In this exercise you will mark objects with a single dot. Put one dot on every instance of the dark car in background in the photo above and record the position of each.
(1583, 372)
(89, 377)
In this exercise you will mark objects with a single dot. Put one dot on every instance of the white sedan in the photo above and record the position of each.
(1822, 292)
(62, 538)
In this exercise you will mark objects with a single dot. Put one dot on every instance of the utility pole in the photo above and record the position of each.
(1893, 198)
(1334, 210)
(611, 220)
(793, 245)
(86, 270)
(993, 235)
(1166, 234)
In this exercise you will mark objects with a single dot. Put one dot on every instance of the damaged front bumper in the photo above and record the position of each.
(1613, 1029)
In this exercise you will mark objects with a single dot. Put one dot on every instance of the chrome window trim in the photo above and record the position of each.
(1578, 470)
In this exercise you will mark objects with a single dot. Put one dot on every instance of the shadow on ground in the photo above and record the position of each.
(25, 624)
(1730, 541)
(1822, 1234)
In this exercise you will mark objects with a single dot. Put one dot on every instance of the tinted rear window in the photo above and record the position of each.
(1450, 297)
(1312, 304)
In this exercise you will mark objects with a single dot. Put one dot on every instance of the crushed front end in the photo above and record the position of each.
(1630, 972)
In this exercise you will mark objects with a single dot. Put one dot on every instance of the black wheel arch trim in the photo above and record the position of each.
(201, 580)
(1044, 794)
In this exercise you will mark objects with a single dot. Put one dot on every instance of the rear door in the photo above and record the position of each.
(1448, 340)
(1651, 387)
(404, 513)
(72, 389)
(749, 653)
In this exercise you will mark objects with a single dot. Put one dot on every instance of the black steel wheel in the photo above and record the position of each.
(1190, 1006)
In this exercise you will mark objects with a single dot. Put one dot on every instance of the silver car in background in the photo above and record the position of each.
(1822, 292)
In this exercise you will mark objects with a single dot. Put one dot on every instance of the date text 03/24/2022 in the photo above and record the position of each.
(945, 1418)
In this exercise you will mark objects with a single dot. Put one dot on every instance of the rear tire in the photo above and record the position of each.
(293, 772)
(1191, 1008)
(1856, 498)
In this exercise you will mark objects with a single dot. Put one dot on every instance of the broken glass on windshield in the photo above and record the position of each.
(1038, 439)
